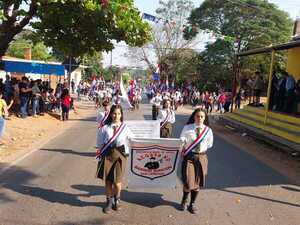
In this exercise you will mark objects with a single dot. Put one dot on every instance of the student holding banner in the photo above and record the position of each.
(197, 138)
(112, 154)
(167, 118)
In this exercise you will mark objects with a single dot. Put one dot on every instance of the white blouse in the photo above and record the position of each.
(163, 114)
(156, 100)
(107, 132)
(188, 135)
(100, 116)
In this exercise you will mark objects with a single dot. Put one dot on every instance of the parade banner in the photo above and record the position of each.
(153, 163)
(144, 128)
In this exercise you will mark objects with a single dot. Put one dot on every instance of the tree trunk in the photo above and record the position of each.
(12, 26)
(4, 42)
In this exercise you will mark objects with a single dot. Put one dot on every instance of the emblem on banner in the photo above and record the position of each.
(153, 161)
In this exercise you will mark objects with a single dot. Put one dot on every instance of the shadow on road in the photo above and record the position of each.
(291, 189)
(71, 151)
(90, 222)
(88, 119)
(150, 200)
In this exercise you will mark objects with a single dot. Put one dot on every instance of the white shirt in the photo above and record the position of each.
(163, 114)
(107, 132)
(156, 100)
(100, 116)
(177, 95)
(188, 135)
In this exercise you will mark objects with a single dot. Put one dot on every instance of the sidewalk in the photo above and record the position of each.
(258, 134)
(261, 135)
(24, 135)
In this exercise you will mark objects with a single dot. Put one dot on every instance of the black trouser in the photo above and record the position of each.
(289, 101)
(155, 110)
(65, 112)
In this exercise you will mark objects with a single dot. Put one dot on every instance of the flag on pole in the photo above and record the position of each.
(147, 16)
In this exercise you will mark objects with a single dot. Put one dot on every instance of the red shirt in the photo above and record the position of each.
(66, 100)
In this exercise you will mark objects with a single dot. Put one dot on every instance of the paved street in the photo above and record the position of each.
(56, 185)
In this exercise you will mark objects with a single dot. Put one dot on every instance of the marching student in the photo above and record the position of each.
(102, 116)
(112, 154)
(155, 101)
(197, 138)
(167, 118)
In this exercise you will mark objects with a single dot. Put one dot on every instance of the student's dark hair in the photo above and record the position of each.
(112, 110)
(191, 120)
(64, 93)
(165, 102)
(105, 103)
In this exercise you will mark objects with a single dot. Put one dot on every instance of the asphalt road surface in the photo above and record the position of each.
(56, 185)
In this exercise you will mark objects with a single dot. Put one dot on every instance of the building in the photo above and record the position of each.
(282, 125)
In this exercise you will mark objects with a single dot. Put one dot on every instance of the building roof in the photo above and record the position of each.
(32, 66)
(278, 47)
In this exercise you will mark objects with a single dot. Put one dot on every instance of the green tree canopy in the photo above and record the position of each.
(23, 41)
(74, 27)
(94, 65)
(77, 27)
(240, 25)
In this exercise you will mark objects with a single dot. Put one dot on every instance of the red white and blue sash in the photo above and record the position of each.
(166, 120)
(106, 114)
(196, 142)
(106, 146)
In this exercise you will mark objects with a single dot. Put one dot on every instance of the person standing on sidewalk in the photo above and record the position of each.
(3, 113)
(197, 138)
(112, 152)
(24, 96)
(65, 104)
(167, 118)
(36, 95)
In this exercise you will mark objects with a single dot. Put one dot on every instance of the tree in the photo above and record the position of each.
(74, 27)
(23, 41)
(13, 19)
(243, 25)
(94, 65)
(167, 38)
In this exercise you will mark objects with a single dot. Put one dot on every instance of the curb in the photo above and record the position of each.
(270, 139)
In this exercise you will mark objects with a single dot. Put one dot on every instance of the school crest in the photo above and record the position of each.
(153, 161)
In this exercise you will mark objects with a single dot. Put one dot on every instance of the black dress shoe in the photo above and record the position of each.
(193, 209)
(183, 205)
(108, 206)
(117, 204)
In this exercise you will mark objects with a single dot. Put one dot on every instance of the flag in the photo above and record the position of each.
(155, 76)
(157, 69)
(147, 16)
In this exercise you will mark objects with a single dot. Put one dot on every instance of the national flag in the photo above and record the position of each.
(147, 16)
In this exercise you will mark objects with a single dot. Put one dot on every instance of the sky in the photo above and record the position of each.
(149, 6)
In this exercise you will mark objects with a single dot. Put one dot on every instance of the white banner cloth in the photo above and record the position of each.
(153, 163)
(144, 128)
